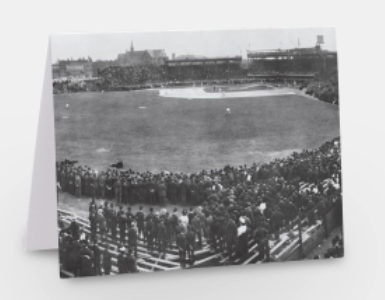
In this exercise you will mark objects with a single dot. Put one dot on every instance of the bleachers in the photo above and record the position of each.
(281, 249)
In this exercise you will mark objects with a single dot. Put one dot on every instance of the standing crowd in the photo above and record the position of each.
(229, 207)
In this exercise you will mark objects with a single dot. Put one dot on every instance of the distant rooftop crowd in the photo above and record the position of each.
(326, 91)
(118, 78)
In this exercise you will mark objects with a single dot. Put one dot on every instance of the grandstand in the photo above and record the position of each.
(204, 68)
(292, 245)
(293, 64)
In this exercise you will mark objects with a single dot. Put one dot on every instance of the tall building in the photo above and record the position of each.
(80, 68)
(155, 57)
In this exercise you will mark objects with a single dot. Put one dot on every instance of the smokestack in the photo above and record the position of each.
(173, 56)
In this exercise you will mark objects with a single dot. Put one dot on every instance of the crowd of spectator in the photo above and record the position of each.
(335, 251)
(116, 78)
(325, 90)
(205, 72)
(228, 206)
(279, 67)
(132, 75)
(125, 78)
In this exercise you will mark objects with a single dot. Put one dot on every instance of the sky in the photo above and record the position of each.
(107, 46)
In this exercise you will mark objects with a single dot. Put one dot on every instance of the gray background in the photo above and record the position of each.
(25, 27)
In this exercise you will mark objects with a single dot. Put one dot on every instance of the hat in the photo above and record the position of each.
(122, 249)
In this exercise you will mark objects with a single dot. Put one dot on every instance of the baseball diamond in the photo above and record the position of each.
(181, 162)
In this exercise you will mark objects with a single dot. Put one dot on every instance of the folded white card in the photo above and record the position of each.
(166, 162)
(42, 220)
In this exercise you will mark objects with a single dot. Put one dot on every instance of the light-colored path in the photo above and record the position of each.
(199, 93)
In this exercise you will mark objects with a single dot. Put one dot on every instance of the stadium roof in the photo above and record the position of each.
(206, 59)
(189, 56)
(290, 52)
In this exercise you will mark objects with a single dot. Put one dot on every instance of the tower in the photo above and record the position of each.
(320, 41)
(132, 47)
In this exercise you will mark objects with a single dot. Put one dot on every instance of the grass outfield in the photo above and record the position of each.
(187, 135)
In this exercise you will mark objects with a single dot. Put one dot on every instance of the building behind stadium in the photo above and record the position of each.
(87, 68)
(278, 64)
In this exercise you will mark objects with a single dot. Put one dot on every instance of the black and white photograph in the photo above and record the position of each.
(178, 150)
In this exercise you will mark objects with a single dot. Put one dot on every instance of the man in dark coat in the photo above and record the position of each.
(190, 244)
(107, 216)
(151, 186)
(183, 192)
(93, 225)
(113, 222)
(72, 229)
(95, 184)
(173, 187)
(86, 261)
(106, 261)
(122, 266)
(97, 257)
(292, 212)
(122, 221)
(193, 193)
(133, 240)
(87, 184)
(191, 215)
(196, 223)
(181, 244)
(214, 233)
(149, 233)
(130, 217)
(102, 225)
(78, 185)
(86, 266)
(162, 238)
(173, 223)
(102, 185)
(108, 189)
(93, 206)
(74, 258)
(63, 181)
(130, 263)
(125, 191)
(118, 191)
(277, 219)
(261, 237)
(230, 236)
(162, 193)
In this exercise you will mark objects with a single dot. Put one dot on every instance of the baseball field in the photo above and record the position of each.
(153, 133)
